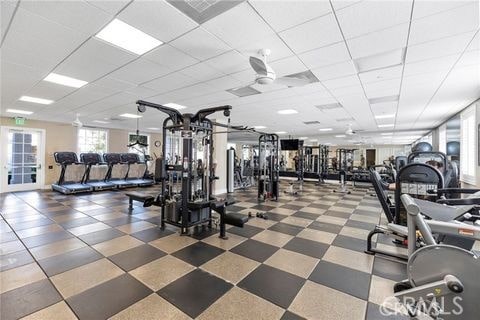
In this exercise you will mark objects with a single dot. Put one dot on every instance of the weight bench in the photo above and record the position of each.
(146, 199)
(233, 219)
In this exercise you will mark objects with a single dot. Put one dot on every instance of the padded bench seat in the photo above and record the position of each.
(236, 219)
(146, 199)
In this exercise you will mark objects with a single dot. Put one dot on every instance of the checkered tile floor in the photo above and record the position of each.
(69, 257)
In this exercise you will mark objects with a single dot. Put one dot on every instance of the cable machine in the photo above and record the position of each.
(268, 167)
(322, 163)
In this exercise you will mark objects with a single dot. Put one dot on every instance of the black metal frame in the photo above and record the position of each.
(271, 168)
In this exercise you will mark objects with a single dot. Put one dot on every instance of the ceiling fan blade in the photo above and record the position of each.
(292, 82)
(258, 65)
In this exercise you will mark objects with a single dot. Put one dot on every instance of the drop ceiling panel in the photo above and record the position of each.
(229, 62)
(209, 100)
(51, 41)
(431, 65)
(428, 8)
(6, 10)
(141, 92)
(200, 44)
(16, 80)
(381, 74)
(377, 42)
(113, 102)
(282, 15)
(48, 90)
(273, 42)
(325, 56)
(224, 83)
(140, 70)
(82, 96)
(320, 32)
(342, 82)
(158, 19)
(470, 58)
(288, 66)
(347, 91)
(384, 108)
(171, 57)
(438, 48)
(370, 16)
(334, 71)
(202, 72)
(110, 6)
(78, 15)
(170, 82)
(238, 26)
(113, 84)
(382, 88)
(448, 23)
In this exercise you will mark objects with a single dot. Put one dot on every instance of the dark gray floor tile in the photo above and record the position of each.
(31, 224)
(78, 222)
(390, 269)
(306, 215)
(327, 227)
(275, 216)
(366, 213)
(255, 250)
(67, 261)
(136, 257)
(353, 282)
(198, 253)
(261, 207)
(108, 298)
(152, 234)
(290, 316)
(101, 236)
(46, 238)
(291, 207)
(22, 301)
(360, 225)
(320, 206)
(15, 259)
(337, 214)
(376, 312)
(195, 292)
(272, 284)
(247, 231)
(350, 243)
(307, 247)
(121, 221)
(203, 232)
(286, 228)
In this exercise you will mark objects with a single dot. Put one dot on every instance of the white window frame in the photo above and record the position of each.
(468, 138)
(442, 138)
(136, 151)
(92, 129)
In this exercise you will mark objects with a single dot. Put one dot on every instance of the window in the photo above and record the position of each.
(467, 150)
(138, 149)
(442, 138)
(92, 140)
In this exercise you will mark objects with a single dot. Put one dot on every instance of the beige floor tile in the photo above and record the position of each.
(351, 202)
(56, 248)
(20, 219)
(11, 247)
(77, 280)
(315, 301)
(117, 245)
(361, 234)
(313, 210)
(232, 241)
(89, 208)
(333, 220)
(58, 311)
(297, 221)
(109, 216)
(273, 238)
(19, 277)
(230, 266)
(68, 217)
(392, 249)
(317, 235)
(261, 223)
(136, 226)
(38, 231)
(147, 215)
(349, 258)
(172, 243)
(239, 304)
(381, 290)
(325, 202)
(293, 262)
(151, 308)
(284, 211)
(245, 204)
(300, 203)
(161, 272)
(369, 208)
(88, 228)
(341, 209)
(363, 218)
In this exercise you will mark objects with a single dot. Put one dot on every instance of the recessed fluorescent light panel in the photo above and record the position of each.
(383, 99)
(385, 116)
(175, 106)
(325, 129)
(287, 111)
(313, 140)
(259, 127)
(65, 81)
(130, 115)
(19, 111)
(100, 121)
(380, 61)
(127, 37)
(35, 100)
(280, 132)
(330, 106)
(311, 122)
(386, 133)
(386, 125)
(153, 128)
(340, 136)
(243, 91)
(303, 138)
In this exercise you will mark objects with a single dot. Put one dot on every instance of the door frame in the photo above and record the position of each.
(40, 184)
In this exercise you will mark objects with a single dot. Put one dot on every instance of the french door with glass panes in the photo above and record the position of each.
(22, 157)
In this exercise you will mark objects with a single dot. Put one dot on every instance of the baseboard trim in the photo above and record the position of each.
(220, 191)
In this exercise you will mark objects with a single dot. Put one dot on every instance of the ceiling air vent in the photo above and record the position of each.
(305, 75)
(244, 91)
(345, 119)
(201, 11)
(383, 99)
(330, 106)
(311, 122)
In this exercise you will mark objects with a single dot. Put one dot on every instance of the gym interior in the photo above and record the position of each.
(240, 159)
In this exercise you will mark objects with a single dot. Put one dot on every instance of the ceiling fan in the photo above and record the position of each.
(350, 131)
(266, 75)
(77, 123)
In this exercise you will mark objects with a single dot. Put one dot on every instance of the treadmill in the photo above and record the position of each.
(90, 159)
(133, 158)
(113, 159)
(65, 159)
